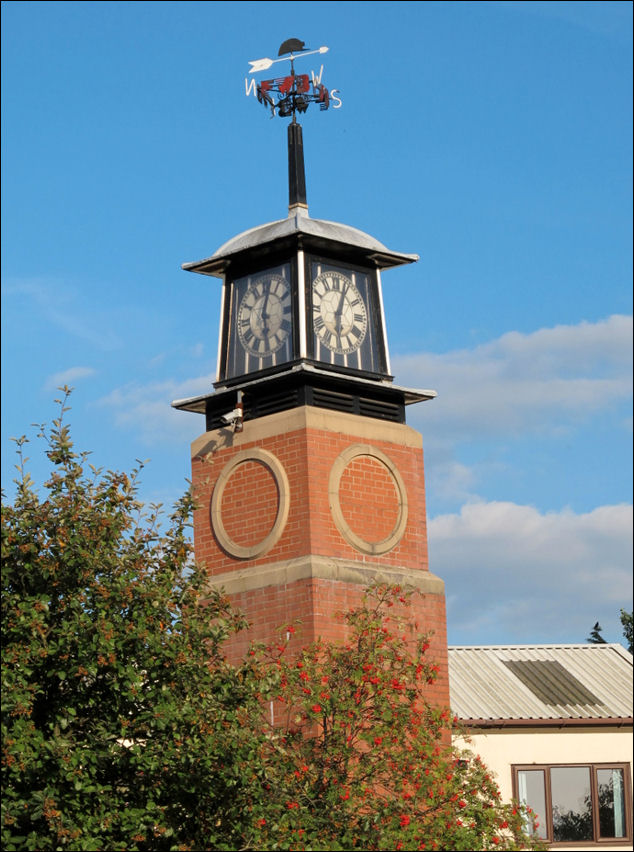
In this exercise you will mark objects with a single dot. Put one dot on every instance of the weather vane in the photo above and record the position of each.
(294, 93)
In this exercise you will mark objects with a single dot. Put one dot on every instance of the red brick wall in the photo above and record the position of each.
(308, 456)
(318, 604)
(251, 485)
(368, 499)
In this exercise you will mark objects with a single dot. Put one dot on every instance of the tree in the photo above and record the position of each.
(628, 629)
(125, 728)
(595, 635)
(361, 759)
(122, 726)
(626, 622)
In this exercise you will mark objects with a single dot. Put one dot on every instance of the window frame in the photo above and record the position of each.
(547, 818)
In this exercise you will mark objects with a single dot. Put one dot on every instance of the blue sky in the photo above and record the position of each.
(494, 139)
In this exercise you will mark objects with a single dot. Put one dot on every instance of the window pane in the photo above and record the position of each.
(611, 803)
(531, 792)
(572, 803)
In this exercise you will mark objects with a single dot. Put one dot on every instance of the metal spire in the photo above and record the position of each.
(286, 96)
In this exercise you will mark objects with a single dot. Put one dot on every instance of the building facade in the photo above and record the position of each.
(554, 723)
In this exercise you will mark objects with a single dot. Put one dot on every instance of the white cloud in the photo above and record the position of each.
(59, 305)
(68, 377)
(144, 408)
(196, 351)
(157, 360)
(453, 480)
(514, 574)
(523, 383)
(513, 385)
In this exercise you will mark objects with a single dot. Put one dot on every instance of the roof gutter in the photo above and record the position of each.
(613, 722)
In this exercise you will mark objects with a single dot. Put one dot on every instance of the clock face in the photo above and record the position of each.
(309, 307)
(259, 324)
(340, 317)
(346, 317)
(264, 315)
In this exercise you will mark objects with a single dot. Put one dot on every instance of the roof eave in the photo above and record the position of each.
(301, 232)
(588, 722)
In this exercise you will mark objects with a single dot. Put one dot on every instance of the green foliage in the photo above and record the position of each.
(360, 759)
(595, 637)
(628, 629)
(124, 728)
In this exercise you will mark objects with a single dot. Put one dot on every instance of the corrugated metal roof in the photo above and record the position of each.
(540, 682)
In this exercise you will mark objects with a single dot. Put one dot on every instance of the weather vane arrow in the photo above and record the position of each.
(285, 96)
(264, 64)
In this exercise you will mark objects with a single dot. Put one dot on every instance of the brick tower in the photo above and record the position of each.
(309, 483)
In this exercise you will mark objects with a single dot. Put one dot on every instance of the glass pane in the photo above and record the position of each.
(531, 792)
(261, 322)
(344, 333)
(611, 803)
(572, 803)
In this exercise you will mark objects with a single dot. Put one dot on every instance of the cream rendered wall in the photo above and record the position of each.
(501, 748)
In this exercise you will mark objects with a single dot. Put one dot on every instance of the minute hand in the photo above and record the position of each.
(264, 315)
(339, 312)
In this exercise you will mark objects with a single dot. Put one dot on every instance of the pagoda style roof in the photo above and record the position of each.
(313, 234)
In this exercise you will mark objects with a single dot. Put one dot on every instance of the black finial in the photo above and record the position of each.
(291, 45)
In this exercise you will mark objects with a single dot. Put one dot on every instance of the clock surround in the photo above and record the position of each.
(301, 307)
(259, 327)
(300, 249)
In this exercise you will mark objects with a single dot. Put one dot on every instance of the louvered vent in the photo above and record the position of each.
(331, 399)
(270, 403)
(290, 392)
(381, 409)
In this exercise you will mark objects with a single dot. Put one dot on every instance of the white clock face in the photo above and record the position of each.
(264, 315)
(340, 318)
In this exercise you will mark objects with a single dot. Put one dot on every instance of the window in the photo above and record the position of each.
(584, 803)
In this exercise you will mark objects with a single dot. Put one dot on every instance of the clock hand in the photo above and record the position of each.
(338, 313)
(263, 314)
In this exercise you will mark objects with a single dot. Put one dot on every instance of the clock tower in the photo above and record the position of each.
(309, 483)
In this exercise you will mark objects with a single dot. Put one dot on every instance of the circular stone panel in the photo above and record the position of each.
(368, 499)
(250, 502)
